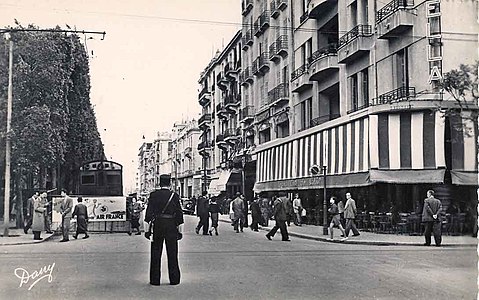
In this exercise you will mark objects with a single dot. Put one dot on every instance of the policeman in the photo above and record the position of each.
(165, 212)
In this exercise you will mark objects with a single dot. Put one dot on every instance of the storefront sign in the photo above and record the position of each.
(102, 208)
(433, 32)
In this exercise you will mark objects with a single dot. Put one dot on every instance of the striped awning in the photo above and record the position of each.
(342, 149)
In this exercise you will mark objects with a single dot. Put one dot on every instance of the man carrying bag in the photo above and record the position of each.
(164, 211)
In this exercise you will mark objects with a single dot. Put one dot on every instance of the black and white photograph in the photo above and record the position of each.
(239, 149)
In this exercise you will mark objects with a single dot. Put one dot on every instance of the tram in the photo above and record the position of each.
(101, 178)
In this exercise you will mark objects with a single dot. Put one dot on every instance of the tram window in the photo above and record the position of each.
(88, 179)
(113, 179)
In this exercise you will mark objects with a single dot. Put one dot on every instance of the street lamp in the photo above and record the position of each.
(315, 170)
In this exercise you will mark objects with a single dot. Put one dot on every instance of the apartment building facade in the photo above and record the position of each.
(365, 102)
(187, 162)
(220, 139)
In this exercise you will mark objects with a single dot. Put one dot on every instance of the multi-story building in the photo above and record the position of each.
(153, 160)
(187, 162)
(220, 140)
(365, 101)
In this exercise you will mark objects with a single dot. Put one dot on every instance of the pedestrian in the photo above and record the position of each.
(335, 219)
(289, 210)
(255, 214)
(214, 209)
(29, 218)
(135, 213)
(298, 209)
(280, 217)
(164, 211)
(47, 222)
(431, 216)
(38, 222)
(265, 210)
(238, 212)
(350, 215)
(81, 212)
(202, 212)
(341, 212)
(66, 211)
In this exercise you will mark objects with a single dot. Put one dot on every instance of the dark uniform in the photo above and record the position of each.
(165, 229)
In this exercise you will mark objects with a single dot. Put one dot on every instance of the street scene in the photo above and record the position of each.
(239, 149)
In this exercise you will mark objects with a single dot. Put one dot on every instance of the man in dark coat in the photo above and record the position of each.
(81, 212)
(29, 218)
(202, 211)
(238, 211)
(431, 216)
(280, 216)
(167, 217)
(255, 214)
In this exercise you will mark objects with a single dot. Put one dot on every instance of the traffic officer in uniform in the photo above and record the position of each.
(164, 210)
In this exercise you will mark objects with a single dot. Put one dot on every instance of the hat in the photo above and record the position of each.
(165, 180)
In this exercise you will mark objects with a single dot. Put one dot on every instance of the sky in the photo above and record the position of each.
(144, 74)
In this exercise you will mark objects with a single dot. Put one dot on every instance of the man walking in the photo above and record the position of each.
(255, 214)
(238, 212)
(66, 211)
(29, 218)
(432, 218)
(350, 215)
(280, 217)
(164, 210)
(202, 212)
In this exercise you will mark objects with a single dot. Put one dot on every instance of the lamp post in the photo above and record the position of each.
(315, 170)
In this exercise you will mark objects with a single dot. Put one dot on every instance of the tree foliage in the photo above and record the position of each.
(462, 84)
(53, 122)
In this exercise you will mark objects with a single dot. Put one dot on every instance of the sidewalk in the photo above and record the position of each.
(18, 237)
(366, 238)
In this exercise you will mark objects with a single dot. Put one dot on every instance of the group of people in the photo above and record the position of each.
(206, 209)
(39, 220)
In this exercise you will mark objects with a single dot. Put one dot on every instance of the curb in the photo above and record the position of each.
(28, 242)
(360, 242)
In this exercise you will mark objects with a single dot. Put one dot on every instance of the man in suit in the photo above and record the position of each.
(238, 212)
(280, 216)
(164, 210)
(29, 218)
(350, 215)
(202, 211)
(432, 218)
(66, 210)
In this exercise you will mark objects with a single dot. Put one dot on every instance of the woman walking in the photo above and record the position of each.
(38, 218)
(81, 212)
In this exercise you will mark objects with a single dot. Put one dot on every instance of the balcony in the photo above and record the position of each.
(398, 95)
(231, 70)
(204, 121)
(323, 119)
(261, 64)
(357, 42)
(277, 6)
(278, 48)
(232, 135)
(256, 28)
(204, 146)
(188, 152)
(232, 102)
(394, 18)
(247, 76)
(323, 63)
(247, 39)
(221, 111)
(246, 7)
(263, 116)
(357, 107)
(222, 81)
(279, 94)
(246, 113)
(204, 97)
(303, 17)
(317, 8)
(300, 79)
(220, 141)
(264, 20)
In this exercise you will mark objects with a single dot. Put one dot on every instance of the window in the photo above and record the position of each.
(365, 86)
(88, 179)
(283, 129)
(402, 72)
(306, 113)
(354, 91)
(265, 135)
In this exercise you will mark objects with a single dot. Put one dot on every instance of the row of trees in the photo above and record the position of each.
(54, 128)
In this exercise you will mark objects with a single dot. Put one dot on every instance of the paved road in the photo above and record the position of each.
(240, 266)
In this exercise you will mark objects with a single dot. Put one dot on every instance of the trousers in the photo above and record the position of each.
(351, 225)
(281, 225)
(66, 227)
(435, 228)
(204, 222)
(172, 255)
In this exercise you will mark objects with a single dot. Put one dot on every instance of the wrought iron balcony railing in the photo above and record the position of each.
(397, 95)
(303, 17)
(279, 92)
(323, 119)
(247, 112)
(357, 107)
(246, 6)
(359, 30)
(391, 8)
(298, 72)
(331, 49)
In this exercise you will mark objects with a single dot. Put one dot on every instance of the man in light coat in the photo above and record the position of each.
(29, 218)
(350, 215)
(66, 211)
(431, 216)
(238, 212)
